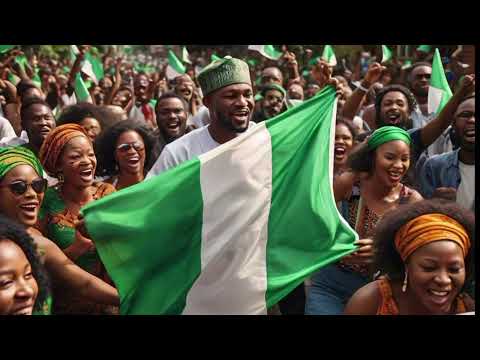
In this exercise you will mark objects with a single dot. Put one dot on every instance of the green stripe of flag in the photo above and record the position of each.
(5, 48)
(329, 56)
(81, 90)
(268, 51)
(386, 54)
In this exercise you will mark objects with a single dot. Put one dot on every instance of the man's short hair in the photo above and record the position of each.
(412, 103)
(171, 95)
(29, 103)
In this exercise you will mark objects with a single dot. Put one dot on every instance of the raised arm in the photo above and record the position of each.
(430, 132)
(355, 101)
(117, 82)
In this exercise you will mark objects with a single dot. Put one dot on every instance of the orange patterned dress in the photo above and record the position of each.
(57, 223)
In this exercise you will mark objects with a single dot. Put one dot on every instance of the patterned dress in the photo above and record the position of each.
(364, 220)
(388, 306)
(57, 223)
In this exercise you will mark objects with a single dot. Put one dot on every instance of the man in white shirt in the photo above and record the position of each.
(228, 95)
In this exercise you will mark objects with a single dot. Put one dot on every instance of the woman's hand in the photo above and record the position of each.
(364, 253)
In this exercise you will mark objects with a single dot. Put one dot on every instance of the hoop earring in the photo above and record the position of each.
(405, 281)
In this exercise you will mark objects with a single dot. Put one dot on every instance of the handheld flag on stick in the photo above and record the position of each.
(329, 56)
(266, 50)
(175, 67)
(386, 54)
(439, 91)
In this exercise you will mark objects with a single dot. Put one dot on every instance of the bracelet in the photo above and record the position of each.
(364, 89)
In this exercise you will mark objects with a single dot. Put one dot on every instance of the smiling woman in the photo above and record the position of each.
(68, 154)
(124, 150)
(24, 285)
(370, 189)
(425, 256)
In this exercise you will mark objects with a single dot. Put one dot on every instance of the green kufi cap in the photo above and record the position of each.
(273, 87)
(223, 72)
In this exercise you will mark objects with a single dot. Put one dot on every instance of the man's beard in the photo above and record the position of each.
(227, 124)
(421, 93)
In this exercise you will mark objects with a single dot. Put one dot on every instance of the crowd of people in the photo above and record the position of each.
(404, 176)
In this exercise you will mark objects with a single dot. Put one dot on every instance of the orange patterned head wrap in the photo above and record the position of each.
(428, 228)
(55, 142)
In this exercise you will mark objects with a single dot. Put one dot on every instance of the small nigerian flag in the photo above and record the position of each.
(87, 67)
(329, 56)
(234, 230)
(424, 48)
(175, 67)
(386, 54)
(266, 50)
(185, 56)
(81, 90)
(439, 91)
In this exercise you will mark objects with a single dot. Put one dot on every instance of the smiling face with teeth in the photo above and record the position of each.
(394, 110)
(231, 107)
(171, 118)
(78, 162)
(464, 124)
(436, 275)
(21, 208)
(18, 287)
(392, 161)
(131, 161)
(343, 144)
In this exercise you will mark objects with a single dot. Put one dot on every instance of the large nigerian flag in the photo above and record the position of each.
(266, 50)
(175, 67)
(232, 231)
(439, 91)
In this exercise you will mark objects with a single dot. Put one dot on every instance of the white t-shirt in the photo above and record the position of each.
(466, 190)
(201, 118)
(195, 143)
(6, 129)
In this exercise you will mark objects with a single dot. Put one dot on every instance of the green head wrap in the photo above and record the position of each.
(12, 156)
(223, 72)
(386, 134)
(273, 87)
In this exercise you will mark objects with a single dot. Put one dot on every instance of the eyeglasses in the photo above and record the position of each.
(125, 147)
(20, 187)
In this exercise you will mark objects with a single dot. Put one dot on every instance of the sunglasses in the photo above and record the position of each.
(125, 147)
(20, 187)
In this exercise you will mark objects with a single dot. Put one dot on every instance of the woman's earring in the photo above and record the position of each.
(60, 178)
(405, 281)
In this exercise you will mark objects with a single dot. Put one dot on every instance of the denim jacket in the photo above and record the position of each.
(439, 171)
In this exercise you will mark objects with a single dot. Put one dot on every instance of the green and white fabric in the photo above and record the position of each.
(175, 67)
(234, 230)
(266, 50)
(439, 91)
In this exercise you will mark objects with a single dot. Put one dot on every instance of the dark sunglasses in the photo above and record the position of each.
(125, 147)
(20, 187)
